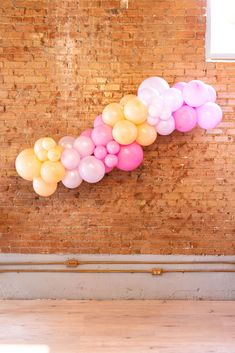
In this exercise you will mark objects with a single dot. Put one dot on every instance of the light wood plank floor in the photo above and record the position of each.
(46, 326)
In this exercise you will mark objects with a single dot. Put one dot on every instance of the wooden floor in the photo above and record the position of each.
(42, 326)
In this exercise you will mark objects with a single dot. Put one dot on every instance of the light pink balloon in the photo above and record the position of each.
(156, 106)
(67, 141)
(146, 95)
(100, 152)
(212, 94)
(195, 93)
(185, 118)
(86, 133)
(152, 121)
(91, 169)
(157, 84)
(111, 160)
(113, 147)
(72, 179)
(70, 158)
(173, 99)
(166, 114)
(98, 121)
(180, 86)
(209, 115)
(84, 145)
(101, 135)
(166, 127)
(130, 157)
(108, 169)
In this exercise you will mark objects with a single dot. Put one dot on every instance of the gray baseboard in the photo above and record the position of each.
(198, 286)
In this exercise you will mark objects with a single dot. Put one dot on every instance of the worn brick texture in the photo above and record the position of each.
(61, 62)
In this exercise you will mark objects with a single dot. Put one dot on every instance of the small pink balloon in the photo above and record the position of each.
(130, 157)
(100, 152)
(185, 118)
(108, 169)
(113, 147)
(91, 169)
(84, 145)
(101, 135)
(67, 141)
(209, 115)
(180, 86)
(98, 121)
(212, 94)
(86, 133)
(152, 121)
(166, 127)
(72, 179)
(70, 158)
(195, 93)
(111, 160)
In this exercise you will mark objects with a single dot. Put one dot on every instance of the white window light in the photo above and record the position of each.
(220, 33)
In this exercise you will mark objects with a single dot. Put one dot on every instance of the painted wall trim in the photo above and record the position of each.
(198, 286)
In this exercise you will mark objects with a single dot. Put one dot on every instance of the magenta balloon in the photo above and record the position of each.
(166, 127)
(212, 94)
(111, 160)
(70, 158)
(130, 157)
(185, 118)
(91, 169)
(98, 121)
(113, 147)
(72, 179)
(101, 135)
(100, 152)
(173, 99)
(180, 86)
(209, 115)
(67, 141)
(84, 145)
(86, 133)
(195, 93)
(155, 83)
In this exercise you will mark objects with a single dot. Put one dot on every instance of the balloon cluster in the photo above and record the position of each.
(118, 135)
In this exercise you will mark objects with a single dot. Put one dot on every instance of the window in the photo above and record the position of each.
(220, 36)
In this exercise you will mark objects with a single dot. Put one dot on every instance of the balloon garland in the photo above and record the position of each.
(119, 135)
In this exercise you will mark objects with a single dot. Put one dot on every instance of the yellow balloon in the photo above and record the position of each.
(42, 155)
(27, 165)
(54, 154)
(112, 113)
(48, 143)
(52, 172)
(146, 134)
(38, 145)
(126, 99)
(42, 188)
(135, 111)
(124, 132)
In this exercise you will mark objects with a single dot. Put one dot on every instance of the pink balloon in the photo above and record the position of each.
(166, 127)
(209, 115)
(173, 99)
(108, 169)
(113, 147)
(72, 179)
(185, 118)
(101, 135)
(111, 160)
(100, 152)
(212, 94)
(67, 141)
(195, 93)
(98, 121)
(91, 169)
(180, 86)
(130, 157)
(86, 133)
(84, 145)
(157, 84)
(152, 121)
(70, 158)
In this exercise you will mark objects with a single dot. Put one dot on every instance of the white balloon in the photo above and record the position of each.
(173, 99)
(166, 114)
(166, 127)
(155, 83)
(156, 106)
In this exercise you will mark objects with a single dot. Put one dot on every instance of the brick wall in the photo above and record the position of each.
(61, 61)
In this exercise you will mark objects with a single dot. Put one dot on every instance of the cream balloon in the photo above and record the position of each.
(146, 134)
(27, 164)
(42, 155)
(135, 111)
(124, 132)
(126, 99)
(52, 172)
(38, 145)
(54, 154)
(48, 143)
(42, 188)
(112, 113)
